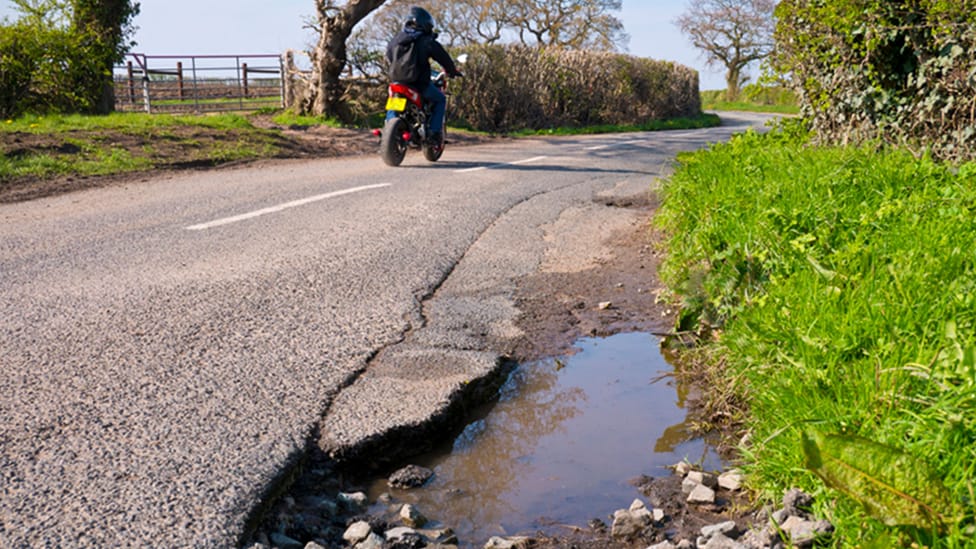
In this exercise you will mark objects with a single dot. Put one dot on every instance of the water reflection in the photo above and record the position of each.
(562, 442)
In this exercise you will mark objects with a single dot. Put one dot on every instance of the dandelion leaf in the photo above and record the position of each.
(893, 486)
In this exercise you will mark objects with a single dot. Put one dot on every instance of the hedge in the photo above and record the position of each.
(510, 88)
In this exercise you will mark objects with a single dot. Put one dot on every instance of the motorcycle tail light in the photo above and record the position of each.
(406, 136)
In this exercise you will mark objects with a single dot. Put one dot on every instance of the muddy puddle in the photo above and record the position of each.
(561, 444)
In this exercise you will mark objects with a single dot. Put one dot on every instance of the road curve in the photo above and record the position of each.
(169, 346)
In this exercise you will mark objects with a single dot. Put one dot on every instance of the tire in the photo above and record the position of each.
(434, 151)
(392, 145)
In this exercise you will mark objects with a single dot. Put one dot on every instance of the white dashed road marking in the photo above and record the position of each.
(515, 163)
(281, 207)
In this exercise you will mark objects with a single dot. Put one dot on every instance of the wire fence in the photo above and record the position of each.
(199, 83)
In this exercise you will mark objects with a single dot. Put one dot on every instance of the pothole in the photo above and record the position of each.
(561, 446)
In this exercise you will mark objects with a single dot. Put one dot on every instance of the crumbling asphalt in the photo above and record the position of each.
(158, 385)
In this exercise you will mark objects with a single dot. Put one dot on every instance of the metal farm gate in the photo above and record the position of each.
(199, 83)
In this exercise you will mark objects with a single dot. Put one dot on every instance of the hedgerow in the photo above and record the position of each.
(510, 88)
(901, 72)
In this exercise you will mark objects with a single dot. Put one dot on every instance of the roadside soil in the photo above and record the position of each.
(557, 308)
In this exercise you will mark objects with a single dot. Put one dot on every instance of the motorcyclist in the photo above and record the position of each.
(419, 30)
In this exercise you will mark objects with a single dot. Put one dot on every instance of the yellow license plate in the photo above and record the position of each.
(398, 104)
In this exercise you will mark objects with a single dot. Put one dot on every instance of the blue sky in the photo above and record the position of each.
(184, 27)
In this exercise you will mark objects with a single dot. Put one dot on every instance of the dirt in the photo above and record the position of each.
(557, 308)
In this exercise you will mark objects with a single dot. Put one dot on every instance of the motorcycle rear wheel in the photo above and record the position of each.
(393, 147)
(433, 151)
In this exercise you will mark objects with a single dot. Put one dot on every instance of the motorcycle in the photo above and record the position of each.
(410, 128)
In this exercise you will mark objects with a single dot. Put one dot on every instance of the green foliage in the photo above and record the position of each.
(511, 88)
(58, 56)
(892, 485)
(841, 286)
(18, 59)
(899, 71)
(754, 98)
(289, 118)
(107, 24)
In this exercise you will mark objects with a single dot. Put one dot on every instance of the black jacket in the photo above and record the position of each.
(429, 48)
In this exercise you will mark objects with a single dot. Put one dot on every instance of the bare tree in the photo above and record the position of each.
(335, 24)
(732, 33)
(566, 23)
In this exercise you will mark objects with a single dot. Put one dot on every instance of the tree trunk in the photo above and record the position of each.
(329, 57)
(732, 79)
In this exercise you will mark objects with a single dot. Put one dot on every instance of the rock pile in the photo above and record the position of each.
(793, 525)
(343, 521)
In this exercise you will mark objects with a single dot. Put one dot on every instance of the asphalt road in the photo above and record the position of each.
(169, 346)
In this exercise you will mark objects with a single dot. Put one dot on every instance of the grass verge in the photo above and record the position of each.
(52, 146)
(749, 107)
(840, 287)
(753, 98)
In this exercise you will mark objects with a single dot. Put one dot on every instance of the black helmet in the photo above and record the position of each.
(420, 19)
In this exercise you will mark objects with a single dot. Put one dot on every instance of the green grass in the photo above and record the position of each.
(752, 98)
(246, 103)
(840, 284)
(704, 121)
(289, 118)
(749, 107)
(125, 122)
(90, 145)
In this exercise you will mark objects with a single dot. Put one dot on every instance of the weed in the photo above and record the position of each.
(842, 283)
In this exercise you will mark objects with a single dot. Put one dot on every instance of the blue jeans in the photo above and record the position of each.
(435, 97)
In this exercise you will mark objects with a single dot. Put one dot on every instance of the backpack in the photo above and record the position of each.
(405, 63)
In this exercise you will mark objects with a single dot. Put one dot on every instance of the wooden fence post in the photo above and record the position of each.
(132, 84)
(282, 86)
(179, 78)
(244, 77)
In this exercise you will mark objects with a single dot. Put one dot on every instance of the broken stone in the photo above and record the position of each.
(730, 480)
(628, 524)
(411, 476)
(411, 516)
(701, 494)
(720, 541)
(700, 477)
(682, 469)
(354, 503)
(803, 532)
(443, 536)
(797, 503)
(357, 532)
(509, 543)
(727, 528)
(373, 541)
